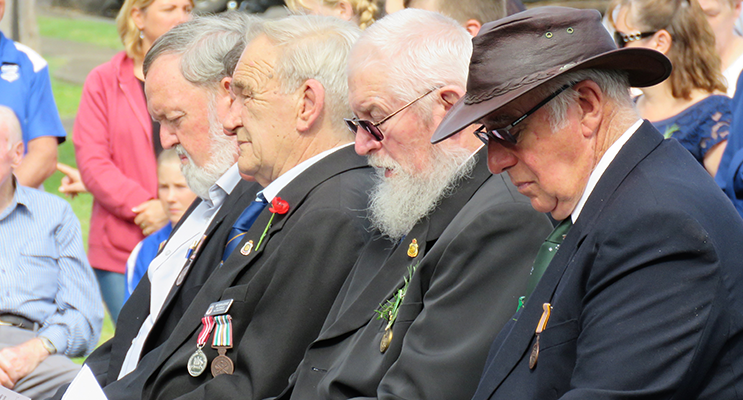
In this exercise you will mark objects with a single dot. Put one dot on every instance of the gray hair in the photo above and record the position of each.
(418, 50)
(613, 83)
(9, 121)
(313, 47)
(209, 46)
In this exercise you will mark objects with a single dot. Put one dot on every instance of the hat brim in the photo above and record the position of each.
(645, 67)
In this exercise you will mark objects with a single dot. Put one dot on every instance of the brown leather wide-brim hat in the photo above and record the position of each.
(513, 55)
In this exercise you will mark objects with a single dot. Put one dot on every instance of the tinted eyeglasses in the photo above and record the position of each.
(621, 38)
(373, 127)
(504, 134)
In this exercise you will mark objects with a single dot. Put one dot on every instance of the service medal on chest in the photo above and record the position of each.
(197, 363)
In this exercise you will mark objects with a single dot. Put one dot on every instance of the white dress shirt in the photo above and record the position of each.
(273, 188)
(601, 167)
(167, 265)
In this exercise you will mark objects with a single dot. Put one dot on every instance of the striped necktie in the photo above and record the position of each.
(243, 224)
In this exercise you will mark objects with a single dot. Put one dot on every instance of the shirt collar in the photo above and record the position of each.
(226, 183)
(275, 187)
(20, 197)
(6, 56)
(601, 167)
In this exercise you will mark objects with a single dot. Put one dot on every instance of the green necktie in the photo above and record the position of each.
(545, 254)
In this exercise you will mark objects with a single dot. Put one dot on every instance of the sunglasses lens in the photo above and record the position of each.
(351, 124)
(619, 39)
(504, 135)
(369, 127)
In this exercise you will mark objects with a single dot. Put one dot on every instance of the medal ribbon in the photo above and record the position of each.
(223, 332)
(207, 323)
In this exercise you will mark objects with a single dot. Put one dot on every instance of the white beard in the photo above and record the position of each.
(397, 203)
(223, 155)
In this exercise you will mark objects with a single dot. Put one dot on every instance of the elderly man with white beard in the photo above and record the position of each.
(453, 246)
(187, 80)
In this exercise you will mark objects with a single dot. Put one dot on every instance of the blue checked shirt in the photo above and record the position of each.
(44, 272)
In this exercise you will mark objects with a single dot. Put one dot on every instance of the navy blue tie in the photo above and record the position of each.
(243, 224)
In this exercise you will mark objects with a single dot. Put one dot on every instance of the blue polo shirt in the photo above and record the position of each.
(25, 87)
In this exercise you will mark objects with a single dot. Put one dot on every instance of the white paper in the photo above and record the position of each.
(7, 394)
(84, 386)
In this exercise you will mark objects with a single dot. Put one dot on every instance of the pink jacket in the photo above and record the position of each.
(113, 148)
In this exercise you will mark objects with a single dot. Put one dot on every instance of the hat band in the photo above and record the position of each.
(510, 86)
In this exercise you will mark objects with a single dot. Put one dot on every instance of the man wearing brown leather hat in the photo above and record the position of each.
(644, 295)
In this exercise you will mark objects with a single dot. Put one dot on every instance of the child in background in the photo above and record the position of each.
(176, 198)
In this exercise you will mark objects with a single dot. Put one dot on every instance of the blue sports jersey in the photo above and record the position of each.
(25, 87)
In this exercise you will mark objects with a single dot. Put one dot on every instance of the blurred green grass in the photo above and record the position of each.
(67, 97)
(79, 30)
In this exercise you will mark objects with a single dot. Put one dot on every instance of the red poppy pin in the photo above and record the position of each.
(279, 206)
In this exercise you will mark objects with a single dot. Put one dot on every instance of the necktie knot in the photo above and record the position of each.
(243, 224)
(546, 252)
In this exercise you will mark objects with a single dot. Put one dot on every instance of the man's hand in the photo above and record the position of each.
(72, 183)
(150, 216)
(18, 361)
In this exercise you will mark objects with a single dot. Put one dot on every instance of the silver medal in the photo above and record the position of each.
(197, 363)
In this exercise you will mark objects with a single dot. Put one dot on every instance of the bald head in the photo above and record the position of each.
(10, 127)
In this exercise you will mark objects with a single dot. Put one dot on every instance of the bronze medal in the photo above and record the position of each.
(197, 363)
(386, 340)
(222, 364)
(534, 354)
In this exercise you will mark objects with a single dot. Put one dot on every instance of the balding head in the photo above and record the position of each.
(10, 127)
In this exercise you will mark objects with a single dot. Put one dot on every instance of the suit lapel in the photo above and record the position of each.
(216, 223)
(516, 345)
(392, 274)
(239, 265)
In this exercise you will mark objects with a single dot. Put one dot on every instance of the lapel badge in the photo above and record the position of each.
(247, 248)
(413, 249)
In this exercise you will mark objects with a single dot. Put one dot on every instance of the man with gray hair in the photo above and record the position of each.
(453, 244)
(50, 305)
(187, 75)
(641, 295)
(300, 237)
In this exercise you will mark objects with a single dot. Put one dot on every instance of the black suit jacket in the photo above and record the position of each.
(107, 359)
(282, 291)
(474, 257)
(646, 291)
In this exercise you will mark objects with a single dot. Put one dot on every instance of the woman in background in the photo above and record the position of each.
(690, 105)
(721, 16)
(176, 197)
(361, 12)
(116, 146)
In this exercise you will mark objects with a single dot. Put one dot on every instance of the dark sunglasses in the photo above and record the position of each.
(504, 134)
(373, 127)
(621, 38)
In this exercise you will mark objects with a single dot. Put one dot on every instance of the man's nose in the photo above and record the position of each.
(365, 142)
(499, 157)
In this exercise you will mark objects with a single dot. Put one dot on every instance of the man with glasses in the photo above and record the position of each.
(453, 244)
(641, 289)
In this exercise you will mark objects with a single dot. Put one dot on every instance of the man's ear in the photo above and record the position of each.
(448, 95)
(224, 84)
(16, 154)
(591, 102)
(473, 26)
(310, 105)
